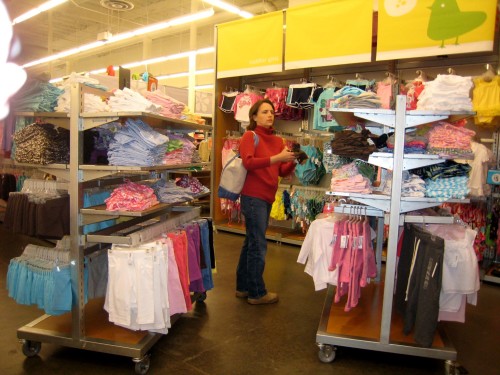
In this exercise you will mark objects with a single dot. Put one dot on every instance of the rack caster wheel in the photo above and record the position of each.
(31, 348)
(201, 297)
(326, 353)
(454, 368)
(142, 365)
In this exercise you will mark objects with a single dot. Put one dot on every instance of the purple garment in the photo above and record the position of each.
(9, 124)
(193, 239)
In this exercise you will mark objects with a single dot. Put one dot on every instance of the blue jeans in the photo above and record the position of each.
(250, 270)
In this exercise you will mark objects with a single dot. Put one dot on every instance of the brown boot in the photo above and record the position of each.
(264, 300)
(241, 294)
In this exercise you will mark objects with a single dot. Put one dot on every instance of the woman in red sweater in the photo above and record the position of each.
(264, 162)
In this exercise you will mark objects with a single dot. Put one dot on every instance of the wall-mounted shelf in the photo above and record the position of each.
(60, 119)
(92, 120)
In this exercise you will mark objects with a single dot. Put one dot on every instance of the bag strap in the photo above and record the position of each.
(255, 139)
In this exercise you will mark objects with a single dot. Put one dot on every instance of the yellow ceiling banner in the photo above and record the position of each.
(331, 32)
(414, 28)
(250, 46)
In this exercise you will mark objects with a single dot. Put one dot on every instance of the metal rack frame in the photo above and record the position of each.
(86, 326)
(379, 314)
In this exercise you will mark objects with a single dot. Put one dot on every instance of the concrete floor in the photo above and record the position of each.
(225, 335)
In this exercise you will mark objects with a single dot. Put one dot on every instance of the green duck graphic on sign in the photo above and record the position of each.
(448, 21)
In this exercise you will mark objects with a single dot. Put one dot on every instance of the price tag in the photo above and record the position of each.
(343, 242)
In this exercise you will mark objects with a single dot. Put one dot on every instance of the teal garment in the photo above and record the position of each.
(322, 118)
(20, 182)
(95, 199)
(37, 96)
(311, 172)
(363, 84)
(366, 169)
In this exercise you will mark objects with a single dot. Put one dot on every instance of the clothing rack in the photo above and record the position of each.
(34, 185)
(86, 327)
(388, 335)
(149, 233)
(358, 210)
(255, 89)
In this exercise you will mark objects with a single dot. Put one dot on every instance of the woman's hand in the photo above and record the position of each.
(284, 156)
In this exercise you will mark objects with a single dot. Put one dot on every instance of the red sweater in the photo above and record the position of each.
(262, 177)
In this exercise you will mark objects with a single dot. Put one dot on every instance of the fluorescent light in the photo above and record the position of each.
(229, 7)
(174, 75)
(155, 60)
(203, 51)
(159, 26)
(103, 70)
(55, 80)
(185, 74)
(175, 56)
(39, 9)
(204, 87)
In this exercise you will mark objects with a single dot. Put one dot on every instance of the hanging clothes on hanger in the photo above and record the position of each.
(386, 90)
(227, 100)
(277, 96)
(300, 94)
(418, 284)
(244, 102)
(485, 98)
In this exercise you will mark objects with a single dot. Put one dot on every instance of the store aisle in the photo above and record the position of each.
(225, 335)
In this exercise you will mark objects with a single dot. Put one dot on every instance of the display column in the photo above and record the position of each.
(394, 215)
(75, 196)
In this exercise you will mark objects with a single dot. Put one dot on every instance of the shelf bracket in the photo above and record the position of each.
(89, 123)
(59, 173)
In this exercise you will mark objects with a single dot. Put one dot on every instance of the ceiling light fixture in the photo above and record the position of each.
(229, 7)
(175, 56)
(39, 9)
(204, 87)
(155, 60)
(119, 37)
(185, 74)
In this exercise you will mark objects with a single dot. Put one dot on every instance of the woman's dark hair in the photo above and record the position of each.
(253, 111)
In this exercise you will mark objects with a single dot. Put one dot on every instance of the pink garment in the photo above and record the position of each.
(131, 197)
(448, 136)
(338, 232)
(344, 264)
(354, 184)
(354, 259)
(177, 304)
(369, 262)
(243, 103)
(179, 241)
(356, 268)
(277, 95)
(170, 107)
(384, 92)
(229, 145)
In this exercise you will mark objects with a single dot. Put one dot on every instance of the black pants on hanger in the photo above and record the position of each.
(419, 283)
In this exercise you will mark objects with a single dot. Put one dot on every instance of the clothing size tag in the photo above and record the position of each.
(343, 242)
(360, 242)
